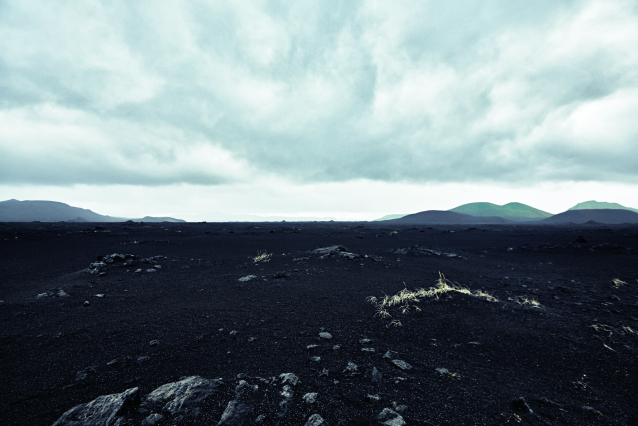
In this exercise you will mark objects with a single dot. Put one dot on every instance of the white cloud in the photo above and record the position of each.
(312, 93)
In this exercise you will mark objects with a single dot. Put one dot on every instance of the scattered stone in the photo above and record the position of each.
(138, 270)
(86, 303)
(143, 358)
(325, 335)
(315, 359)
(310, 397)
(315, 420)
(56, 292)
(351, 368)
(150, 270)
(364, 341)
(247, 278)
(399, 408)
(312, 346)
(289, 378)
(100, 295)
(390, 417)
(324, 372)
(390, 354)
(401, 364)
(154, 342)
(335, 347)
(373, 374)
(367, 350)
(373, 398)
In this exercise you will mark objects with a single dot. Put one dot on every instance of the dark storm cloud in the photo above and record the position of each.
(156, 93)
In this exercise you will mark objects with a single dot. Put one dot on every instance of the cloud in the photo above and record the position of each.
(150, 93)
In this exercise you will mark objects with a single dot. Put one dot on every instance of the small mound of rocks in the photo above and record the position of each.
(123, 260)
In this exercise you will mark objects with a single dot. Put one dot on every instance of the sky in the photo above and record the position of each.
(344, 109)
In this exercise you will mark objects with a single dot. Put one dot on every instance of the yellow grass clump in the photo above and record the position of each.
(406, 299)
(262, 257)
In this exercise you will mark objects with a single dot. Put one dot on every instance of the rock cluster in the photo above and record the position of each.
(417, 251)
(124, 260)
(192, 400)
(255, 400)
(340, 251)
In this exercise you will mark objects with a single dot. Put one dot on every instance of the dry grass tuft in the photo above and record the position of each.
(526, 301)
(262, 257)
(618, 283)
(406, 299)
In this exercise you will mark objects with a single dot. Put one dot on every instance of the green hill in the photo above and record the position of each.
(512, 211)
(389, 217)
(592, 205)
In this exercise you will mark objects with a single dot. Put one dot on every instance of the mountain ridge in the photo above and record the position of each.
(54, 211)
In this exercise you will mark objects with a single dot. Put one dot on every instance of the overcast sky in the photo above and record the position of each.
(350, 109)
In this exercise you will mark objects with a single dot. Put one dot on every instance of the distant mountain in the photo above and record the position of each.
(157, 219)
(597, 205)
(517, 212)
(53, 211)
(440, 217)
(606, 216)
(389, 217)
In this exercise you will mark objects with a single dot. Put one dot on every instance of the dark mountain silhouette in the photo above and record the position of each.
(441, 217)
(598, 205)
(53, 211)
(517, 212)
(606, 216)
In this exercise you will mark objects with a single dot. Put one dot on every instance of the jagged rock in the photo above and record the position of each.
(240, 408)
(310, 397)
(152, 420)
(247, 278)
(401, 364)
(399, 408)
(364, 341)
(417, 250)
(390, 354)
(340, 251)
(105, 410)
(390, 417)
(57, 292)
(373, 374)
(351, 368)
(316, 420)
(289, 378)
(182, 398)
(154, 342)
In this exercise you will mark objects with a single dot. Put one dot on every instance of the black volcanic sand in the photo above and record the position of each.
(57, 353)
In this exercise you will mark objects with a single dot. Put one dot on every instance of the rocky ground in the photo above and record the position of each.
(285, 324)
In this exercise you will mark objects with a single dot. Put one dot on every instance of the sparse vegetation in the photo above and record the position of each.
(526, 301)
(618, 283)
(262, 257)
(406, 299)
